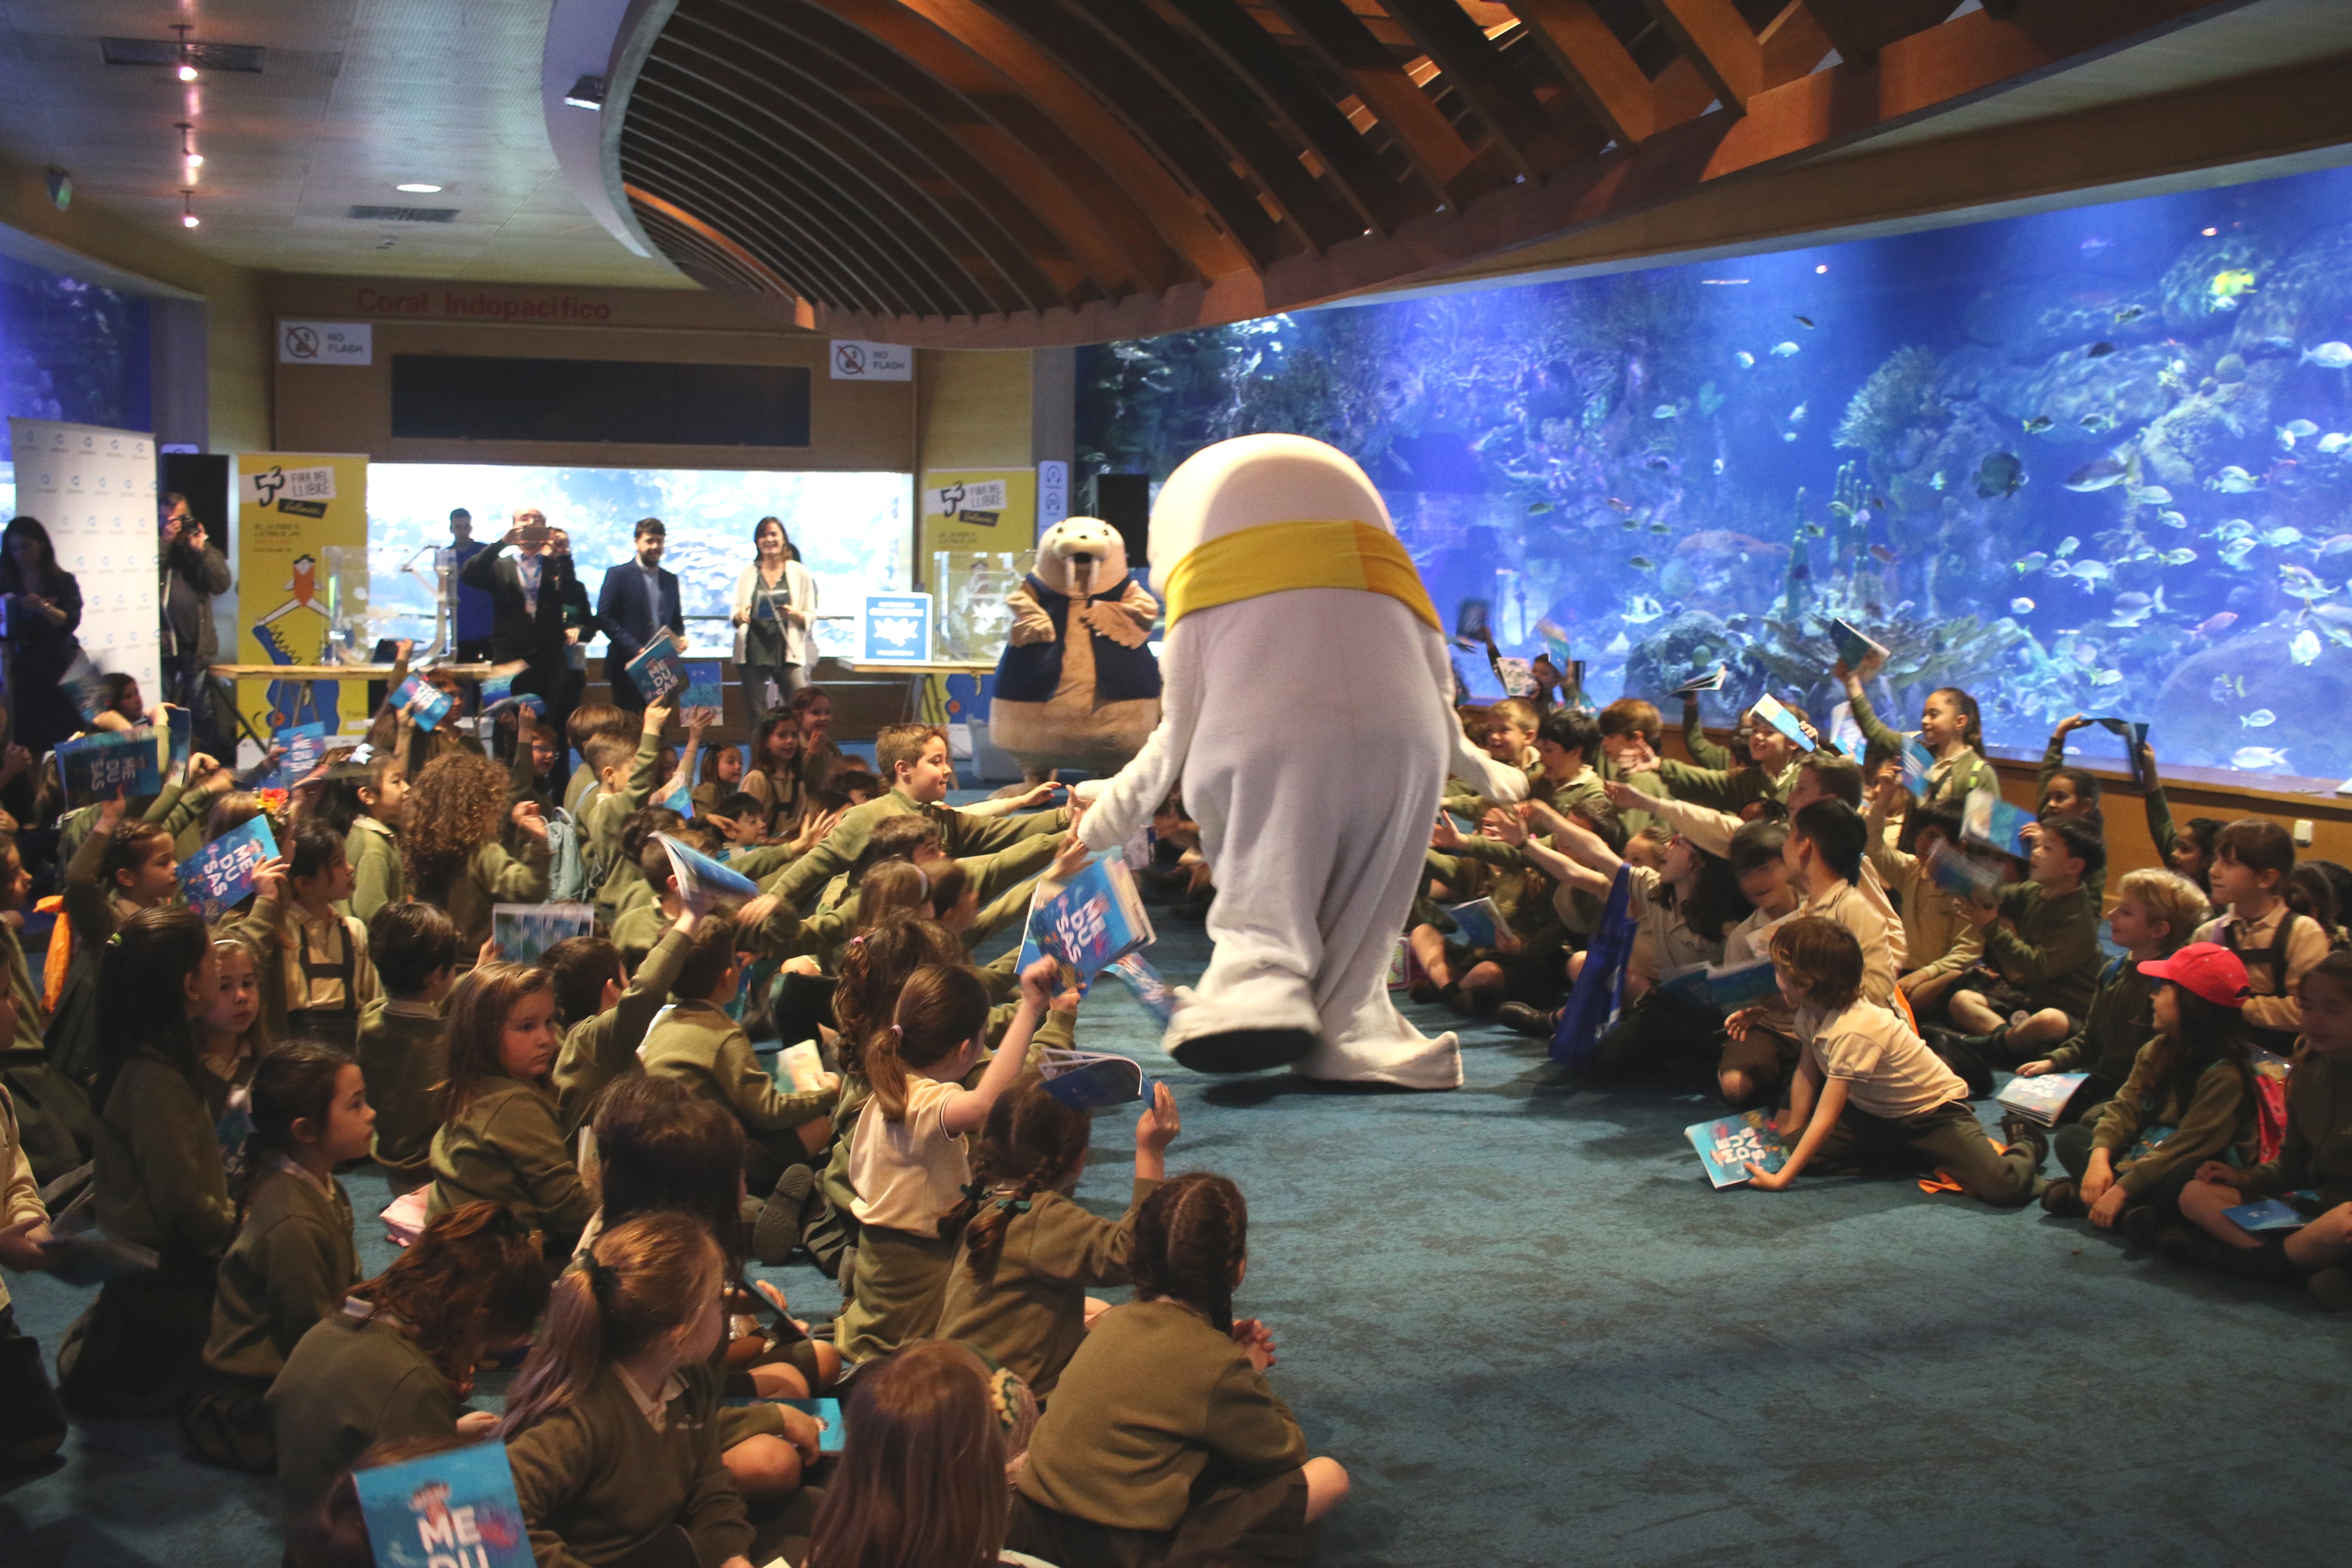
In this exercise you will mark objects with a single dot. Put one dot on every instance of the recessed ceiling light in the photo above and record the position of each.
(418, 188)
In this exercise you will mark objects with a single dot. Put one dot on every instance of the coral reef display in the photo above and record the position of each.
(2094, 461)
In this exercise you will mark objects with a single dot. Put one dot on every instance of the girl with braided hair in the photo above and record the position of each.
(1018, 1290)
(1166, 1402)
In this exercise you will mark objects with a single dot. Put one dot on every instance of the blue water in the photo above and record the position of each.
(1689, 463)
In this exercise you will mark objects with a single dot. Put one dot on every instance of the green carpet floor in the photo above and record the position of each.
(1535, 1335)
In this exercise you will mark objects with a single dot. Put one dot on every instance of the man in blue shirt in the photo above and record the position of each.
(472, 612)
(638, 600)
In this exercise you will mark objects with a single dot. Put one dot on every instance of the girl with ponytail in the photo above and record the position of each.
(1018, 1290)
(906, 1159)
(615, 1450)
(294, 1259)
(1163, 1392)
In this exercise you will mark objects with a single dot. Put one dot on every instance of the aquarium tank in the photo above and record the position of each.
(2092, 461)
(70, 351)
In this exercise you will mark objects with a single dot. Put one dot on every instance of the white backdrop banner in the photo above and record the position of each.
(94, 490)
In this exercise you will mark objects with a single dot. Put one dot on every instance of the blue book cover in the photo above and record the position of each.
(217, 877)
(2270, 1214)
(1098, 918)
(1770, 708)
(2149, 1140)
(525, 932)
(1993, 822)
(699, 874)
(1957, 871)
(85, 683)
(680, 799)
(1033, 940)
(1854, 647)
(181, 726)
(1154, 992)
(830, 1432)
(1724, 989)
(657, 670)
(1092, 1080)
(1728, 1144)
(497, 689)
(1480, 923)
(702, 684)
(108, 763)
(455, 1509)
(1918, 762)
(433, 704)
(2041, 1099)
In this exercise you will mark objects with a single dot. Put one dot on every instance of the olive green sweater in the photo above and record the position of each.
(2050, 950)
(290, 1266)
(1153, 1394)
(355, 1379)
(491, 877)
(596, 1481)
(403, 1058)
(159, 1179)
(377, 875)
(2121, 1019)
(509, 1146)
(960, 834)
(599, 1049)
(2317, 1151)
(2210, 1118)
(698, 1045)
(1031, 1314)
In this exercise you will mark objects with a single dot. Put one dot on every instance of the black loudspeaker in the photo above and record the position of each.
(1124, 501)
(203, 478)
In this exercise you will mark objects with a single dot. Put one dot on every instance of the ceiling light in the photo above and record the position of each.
(418, 188)
(188, 218)
(588, 93)
(195, 159)
(187, 61)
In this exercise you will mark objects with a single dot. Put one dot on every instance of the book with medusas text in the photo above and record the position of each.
(455, 1509)
(1728, 1144)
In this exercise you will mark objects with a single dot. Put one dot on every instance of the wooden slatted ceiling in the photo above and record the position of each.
(999, 173)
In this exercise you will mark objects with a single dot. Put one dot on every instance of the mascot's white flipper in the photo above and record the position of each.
(1306, 712)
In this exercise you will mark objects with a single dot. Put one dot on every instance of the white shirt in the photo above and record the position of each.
(1889, 1071)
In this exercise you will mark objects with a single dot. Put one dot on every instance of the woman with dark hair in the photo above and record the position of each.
(43, 607)
(775, 599)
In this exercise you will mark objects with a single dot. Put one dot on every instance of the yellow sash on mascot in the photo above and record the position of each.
(1276, 556)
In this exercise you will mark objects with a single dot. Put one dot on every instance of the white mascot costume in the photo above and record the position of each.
(1306, 711)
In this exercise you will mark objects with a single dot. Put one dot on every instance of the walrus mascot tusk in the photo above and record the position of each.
(1306, 713)
(1076, 687)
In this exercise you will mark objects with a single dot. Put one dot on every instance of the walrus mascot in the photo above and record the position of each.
(1076, 687)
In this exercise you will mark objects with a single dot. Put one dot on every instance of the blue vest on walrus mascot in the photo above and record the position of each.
(1030, 674)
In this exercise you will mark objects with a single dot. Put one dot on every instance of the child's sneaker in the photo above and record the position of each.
(2022, 1130)
(2141, 1224)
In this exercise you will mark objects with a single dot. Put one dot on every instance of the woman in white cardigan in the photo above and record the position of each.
(775, 599)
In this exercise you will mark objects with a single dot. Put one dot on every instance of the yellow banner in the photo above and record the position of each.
(301, 578)
(975, 508)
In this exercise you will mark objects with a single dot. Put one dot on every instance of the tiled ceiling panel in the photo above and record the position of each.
(356, 97)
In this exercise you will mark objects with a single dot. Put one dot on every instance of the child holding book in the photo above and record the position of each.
(415, 950)
(1951, 729)
(2251, 858)
(1164, 1441)
(160, 1179)
(908, 1163)
(318, 974)
(2188, 849)
(2154, 915)
(2041, 943)
(2190, 1097)
(501, 1134)
(1771, 754)
(379, 802)
(1940, 944)
(1868, 1092)
(1762, 1051)
(294, 1257)
(615, 1452)
(2316, 1157)
(452, 852)
(1028, 1254)
(396, 1362)
(624, 782)
(605, 1011)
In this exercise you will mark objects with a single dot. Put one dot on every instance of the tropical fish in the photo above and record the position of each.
(1641, 609)
(1787, 435)
(1631, 523)
(2300, 581)
(2225, 304)
(2260, 719)
(1884, 556)
(2097, 423)
(2304, 648)
(1536, 509)
(2228, 685)
(1664, 411)
(1783, 351)
(2180, 557)
(2280, 538)
(2038, 423)
(2335, 546)
(2230, 283)
(2067, 546)
(2033, 562)
(1613, 504)
(1661, 528)
(2302, 430)
(2020, 606)
(2131, 609)
(2236, 528)
(2091, 573)
(1814, 531)
(1659, 462)
(2099, 474)
(2099, 351)
(1719, 464)
(1744, 360)
(1938, 482)
(1804, 320)
(1797, 414)
(1639, 562)
(2150, 495)
(2173, 519)
(1999, 475)
(2258, 757)
(2108, 678)
(2329, 357)
(2234, 553)
(2331, 445)
(2130, 313)
(2233, 481)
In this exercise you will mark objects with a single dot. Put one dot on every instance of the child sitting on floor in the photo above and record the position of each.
(2251, 858)
(605, 1011)
(2189, 1098)
(1868, 1092)
(415, 949)
(2041, 944)
(2154, 913)
(501, 1134)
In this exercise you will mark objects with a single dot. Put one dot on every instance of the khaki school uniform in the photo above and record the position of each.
(401, 1057)
(583, 781)
(1770, 1047)
(2211, 1119)
(636, 930)
(599, 1049)
(2317, 1150)
(318, 973)
(697, 1046)
(1903, 1104)
(1955, 777)
(960, 834)
(292, 1263)
(2050, 951)
(1724, 789)
(355, 1379)
(1646, 782)
(509, 1147)
(607, 1474)
(2121, 1019)
(905, 1174)
(1845, 904)
(377, 878)
(1030, 1316)
(601, 814)
(1159, 1416)
(55, 1120)
(490, 876)
(1711, 830)
(1663, 939)
(1936, 937)
(2272, 1011)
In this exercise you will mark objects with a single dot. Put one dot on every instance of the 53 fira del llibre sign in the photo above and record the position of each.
(326, 342)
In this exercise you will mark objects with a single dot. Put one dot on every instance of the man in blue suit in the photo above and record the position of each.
(638, 600)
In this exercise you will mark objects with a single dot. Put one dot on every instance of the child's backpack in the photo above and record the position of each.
(568, 878)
